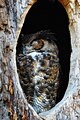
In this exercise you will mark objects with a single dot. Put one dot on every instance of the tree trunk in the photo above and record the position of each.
(13, 104)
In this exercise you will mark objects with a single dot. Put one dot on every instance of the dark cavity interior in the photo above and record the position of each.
(51, 15)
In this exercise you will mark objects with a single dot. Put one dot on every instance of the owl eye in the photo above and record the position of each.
(37, 44)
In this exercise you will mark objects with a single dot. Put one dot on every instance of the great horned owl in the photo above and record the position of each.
(39, 69)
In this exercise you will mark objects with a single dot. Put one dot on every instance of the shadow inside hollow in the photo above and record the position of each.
(49, 15)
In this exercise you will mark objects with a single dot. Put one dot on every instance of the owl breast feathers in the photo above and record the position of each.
(39, 69)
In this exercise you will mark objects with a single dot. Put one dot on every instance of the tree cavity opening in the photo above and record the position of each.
(46, 23)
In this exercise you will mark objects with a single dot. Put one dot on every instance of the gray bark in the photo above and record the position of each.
(13, 105)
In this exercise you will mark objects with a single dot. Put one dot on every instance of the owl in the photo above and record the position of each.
(39, 69)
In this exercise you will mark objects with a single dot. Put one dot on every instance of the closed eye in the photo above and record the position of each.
(37, 44)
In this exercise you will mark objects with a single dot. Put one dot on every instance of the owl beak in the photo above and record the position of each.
(29, 49)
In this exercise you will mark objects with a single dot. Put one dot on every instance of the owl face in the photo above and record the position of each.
(40, 45)
(38, 68)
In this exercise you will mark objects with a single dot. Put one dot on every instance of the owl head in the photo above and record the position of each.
(40, 42)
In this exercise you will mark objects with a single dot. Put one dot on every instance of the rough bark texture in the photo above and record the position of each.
(69, 107)
(13, 105)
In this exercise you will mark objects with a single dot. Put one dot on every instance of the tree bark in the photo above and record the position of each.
(13, 104)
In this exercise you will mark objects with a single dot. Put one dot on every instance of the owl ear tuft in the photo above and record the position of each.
(43, 34)
(47, 35)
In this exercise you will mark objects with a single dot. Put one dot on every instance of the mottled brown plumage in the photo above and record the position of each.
(39, 70)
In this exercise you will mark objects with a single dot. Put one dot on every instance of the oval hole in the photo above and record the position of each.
(50, 15)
